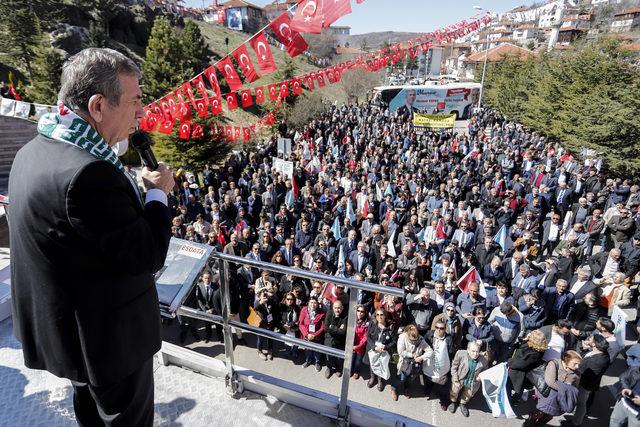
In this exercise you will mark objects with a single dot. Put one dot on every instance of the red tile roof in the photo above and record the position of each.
(497, 53)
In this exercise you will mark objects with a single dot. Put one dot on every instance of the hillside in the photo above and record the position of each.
(215, 38)
(375, 40)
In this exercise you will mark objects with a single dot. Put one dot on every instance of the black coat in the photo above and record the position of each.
(592, 369)
(335, 329)
(524, 360)
(83, 254)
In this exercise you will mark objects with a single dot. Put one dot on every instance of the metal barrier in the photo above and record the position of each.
(231, 378)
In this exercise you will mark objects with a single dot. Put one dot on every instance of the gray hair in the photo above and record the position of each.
(94, 71)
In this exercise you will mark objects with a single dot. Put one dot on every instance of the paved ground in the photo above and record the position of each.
(37, 398)
(417, 407)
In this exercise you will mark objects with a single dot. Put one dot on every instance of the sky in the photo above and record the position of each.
(405, 15)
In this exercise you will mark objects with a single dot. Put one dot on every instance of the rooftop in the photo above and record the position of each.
(631, 10)
(497, 53)
(239, 3)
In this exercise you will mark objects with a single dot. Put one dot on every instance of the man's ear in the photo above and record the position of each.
(96, 106)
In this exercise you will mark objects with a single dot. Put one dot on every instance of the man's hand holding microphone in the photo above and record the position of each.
(154, 174)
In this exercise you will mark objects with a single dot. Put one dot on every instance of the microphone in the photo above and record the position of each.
(142, 144)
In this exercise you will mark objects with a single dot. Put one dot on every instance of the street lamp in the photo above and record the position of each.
(486, 55)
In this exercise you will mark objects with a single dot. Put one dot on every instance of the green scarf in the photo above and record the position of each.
(468, 380)
(67, 126)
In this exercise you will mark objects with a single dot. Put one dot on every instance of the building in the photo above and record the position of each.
(573, 27)
(524, 33)
(243, 16)
(496, 54)
(273, 10)
(627, 20)
(341, 33)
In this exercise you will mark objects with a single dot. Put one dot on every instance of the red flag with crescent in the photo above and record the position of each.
(284, 89)
(246, 133)
(245, 98)
(216, 105)
(198, 82)
(260, 45)
(273, 91)
(184, 131)
(197, 131)
(202, 108)
(296, 87)
(259, 91)
(232, 101)
(308, 17)
(292, 40)
(229, 72)
(245, 64)
(210, 74)
(186, 87)
(334, 10)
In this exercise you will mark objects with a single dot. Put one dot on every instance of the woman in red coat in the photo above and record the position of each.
(312, 329)
(359, 340)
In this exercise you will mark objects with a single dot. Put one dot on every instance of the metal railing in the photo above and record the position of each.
(227, 323)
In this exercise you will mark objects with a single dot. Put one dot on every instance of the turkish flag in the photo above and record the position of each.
(166, 110)
(186, 87)
(185, 130)
(216, 105)
(308, 79)
(198, 82)
(259, 91)
(232, 101)
(469, 277)
(337, 73)
(297, 87)
(330, 76)
(246, 98)
(359, 1)
(184, 111)
(226, 68)
(197, 131)
(320, 79)
(298, 46)
(294, 43)
(155, 108)
(173, 107)
(228, 133)
(246, 65)
(246, 134)
(150, 120)
(284, 89)
(260, 44)
(210, 74)
(273, 91)
(236, 133)
(201, 108)
(334, 10)
(166, 126)
(308, 17)
(271, 119)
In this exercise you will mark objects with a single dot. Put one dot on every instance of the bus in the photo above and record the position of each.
(430, 98)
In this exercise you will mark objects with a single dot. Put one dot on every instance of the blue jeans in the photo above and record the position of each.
(310, 353)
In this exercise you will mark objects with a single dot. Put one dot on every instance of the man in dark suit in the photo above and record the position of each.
(359, 258)
(562, 198)
(85, 305)
(205, 291)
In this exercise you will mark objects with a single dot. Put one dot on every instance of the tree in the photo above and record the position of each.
(162, 68)
(308, 106)
(321, 45)
(364, 46)
(96, 37)
(19, 33)
(583, 98)
(45, 83)
(358, 82)
(195, 53)
(192, 153)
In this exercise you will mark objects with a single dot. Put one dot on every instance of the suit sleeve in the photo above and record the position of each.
(101, 209)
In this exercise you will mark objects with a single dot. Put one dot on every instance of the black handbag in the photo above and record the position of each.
(536, 377)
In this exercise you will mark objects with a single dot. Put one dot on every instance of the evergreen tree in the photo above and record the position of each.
(96, 37)
(19, 33)
(45, 84)
(162, 68)
(195, 53)
(192, 153)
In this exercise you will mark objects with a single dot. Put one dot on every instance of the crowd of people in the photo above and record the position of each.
(554, 241)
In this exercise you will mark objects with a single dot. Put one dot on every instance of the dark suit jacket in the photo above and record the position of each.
(588, 287)
(83, 255)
